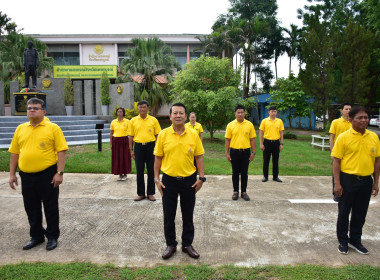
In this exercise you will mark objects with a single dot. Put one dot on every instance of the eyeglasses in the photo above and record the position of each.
(34, 108)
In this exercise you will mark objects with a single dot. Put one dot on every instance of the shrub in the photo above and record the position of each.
(105, 89)
(68, 91)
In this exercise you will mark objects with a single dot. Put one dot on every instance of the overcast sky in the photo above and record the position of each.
(131, 17)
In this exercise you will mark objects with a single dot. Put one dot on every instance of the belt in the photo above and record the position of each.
(178, 178)
(357, 177)
(144, 144)
(273, 141)
(240, 150)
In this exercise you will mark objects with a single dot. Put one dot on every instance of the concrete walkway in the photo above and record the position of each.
(100, 223)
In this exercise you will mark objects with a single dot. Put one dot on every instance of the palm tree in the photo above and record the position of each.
(292, 42)
(152, 64)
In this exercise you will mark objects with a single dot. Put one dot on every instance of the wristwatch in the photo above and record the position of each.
(60, 172)
(156, 180)
(203, 179)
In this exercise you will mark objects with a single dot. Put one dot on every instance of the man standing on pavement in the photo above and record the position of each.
(240, 150)
(38, 148)
(355, 160)
(337, 127)
(143, 131)
(175, 150)
(271, 142)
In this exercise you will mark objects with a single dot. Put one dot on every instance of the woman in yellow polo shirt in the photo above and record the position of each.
(195, 125)
(121, 156)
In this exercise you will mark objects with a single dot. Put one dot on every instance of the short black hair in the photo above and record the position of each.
(35, 100)
(239, 106)
(193, 114)
(357, 109)
(178, 105)
(142, 102)
(122, 109)
(272, 108)
(345, 104)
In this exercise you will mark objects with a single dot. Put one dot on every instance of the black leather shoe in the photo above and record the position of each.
(169, 252)
(52, 244)
(277, 180)
(265, 179)
(235, 196)
(33, 243)
(190, 251)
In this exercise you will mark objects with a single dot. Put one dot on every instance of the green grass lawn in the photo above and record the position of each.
(40, 271)
(297, 158)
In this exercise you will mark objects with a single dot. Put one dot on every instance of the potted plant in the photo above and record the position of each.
(68, 95)
(105, 93)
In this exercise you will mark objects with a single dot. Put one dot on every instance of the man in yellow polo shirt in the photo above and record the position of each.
(143, 132)
(355, 160)
(271, 142)
(175, 150)
(337, 127)
(240, 150)
(38, 148)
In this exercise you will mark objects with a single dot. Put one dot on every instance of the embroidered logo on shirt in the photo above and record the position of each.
(150, 130)
(190, 151)
(42, 144)
(246, 132)
(372, 150)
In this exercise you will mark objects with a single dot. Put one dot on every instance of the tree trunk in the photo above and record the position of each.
(290, 64)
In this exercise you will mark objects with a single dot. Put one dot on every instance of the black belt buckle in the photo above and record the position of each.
(179, 178)
(360, 178)
(144, 144)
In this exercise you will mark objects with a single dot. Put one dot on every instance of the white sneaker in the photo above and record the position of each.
(124, 178)
(120, 178)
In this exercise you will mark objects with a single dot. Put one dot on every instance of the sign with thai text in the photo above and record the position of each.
(85, 71)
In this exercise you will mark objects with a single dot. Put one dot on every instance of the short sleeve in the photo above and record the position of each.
(158, 148)
(59, 140)
(200, 128)
(262, 125)
(228, 131)
(252, 133)
(198, 147)
(333, 128)
(157, 127)
(338, 148)
(14, 148)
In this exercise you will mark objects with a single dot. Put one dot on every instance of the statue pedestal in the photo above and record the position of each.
(21, 98)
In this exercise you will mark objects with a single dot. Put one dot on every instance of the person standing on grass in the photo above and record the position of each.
(121, 156)
(193, 124)
(271, 142)
(240, 150)
(337, 127)
(356, 167)
(38, 148)
(143, 132)
(175, 150)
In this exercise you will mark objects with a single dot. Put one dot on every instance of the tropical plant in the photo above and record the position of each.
(105, 89)
(68, 91)
(6, 25)
(152, 64)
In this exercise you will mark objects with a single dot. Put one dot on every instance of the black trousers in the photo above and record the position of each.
(240, 163)
(355, 199)
(30, 70)
(183, 188)
(37, 188)
(144, 155)
(272, 148)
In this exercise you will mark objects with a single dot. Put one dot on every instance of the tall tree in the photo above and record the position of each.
(153, 61)
(6, 25)
(354, 56)
(318, 55)
(292, 43)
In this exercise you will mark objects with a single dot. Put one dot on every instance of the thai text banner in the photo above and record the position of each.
(85, 71)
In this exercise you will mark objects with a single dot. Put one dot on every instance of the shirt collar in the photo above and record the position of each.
(41, 123)
(147, 116)
(353, 131)
(172, 130)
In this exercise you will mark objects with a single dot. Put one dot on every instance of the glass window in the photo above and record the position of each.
(65, 58)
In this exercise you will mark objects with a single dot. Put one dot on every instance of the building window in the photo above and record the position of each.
(65, 58)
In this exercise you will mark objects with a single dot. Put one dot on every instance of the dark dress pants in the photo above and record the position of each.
(144, 155)
(37, 188)
(272, 148)
(240, 164)
(355, 199)
(183, 188)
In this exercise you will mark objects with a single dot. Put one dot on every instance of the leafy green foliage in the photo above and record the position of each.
(68, 91)
(289, 97)
(208, 86)
(105, 89)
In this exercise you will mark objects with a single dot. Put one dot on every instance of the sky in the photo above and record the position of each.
(133, 17)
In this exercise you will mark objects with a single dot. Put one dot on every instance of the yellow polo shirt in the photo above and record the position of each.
(240, 134)
(120, 129)
(197, 127)
(144, 130)
(338, 126)
(38, 146)
(178, 151)
(271, 128)
(357, 152)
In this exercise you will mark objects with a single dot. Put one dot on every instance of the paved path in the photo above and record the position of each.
(101, 223)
